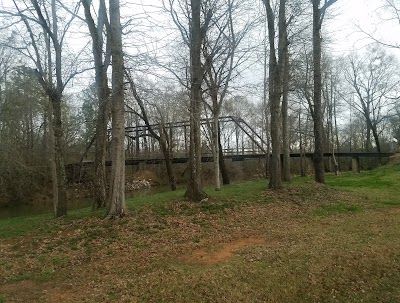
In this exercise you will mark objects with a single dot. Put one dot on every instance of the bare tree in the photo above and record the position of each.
(116, 196)
(277, 62)
(318, 18)
(374, 82)
(46, 52)
(161, 135)
(197, 34)
(392, 8)
(101, 80)
(221, 64)
(285, 106)
(193, 36)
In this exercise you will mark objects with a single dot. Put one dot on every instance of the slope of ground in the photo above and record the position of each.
(306, 243)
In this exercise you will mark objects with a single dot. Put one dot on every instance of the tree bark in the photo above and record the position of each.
(317, 117)
(55, 93)
(275, 89)
(222, 165)
(166, 150)
(194, 190)
(61, 207)
(285, 131)
(216, 154)
(101, 80)
(116, 196)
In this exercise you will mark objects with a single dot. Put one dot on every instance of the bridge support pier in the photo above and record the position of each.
(355, 165)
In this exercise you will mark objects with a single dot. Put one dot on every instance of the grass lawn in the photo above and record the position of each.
(305, 243)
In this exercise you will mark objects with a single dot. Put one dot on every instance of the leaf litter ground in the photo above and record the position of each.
(306, 243)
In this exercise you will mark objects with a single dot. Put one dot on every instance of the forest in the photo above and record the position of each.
(86, 82)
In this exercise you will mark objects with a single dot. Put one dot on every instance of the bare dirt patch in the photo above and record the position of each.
(17, 287)
(225, 253)
(395, 210)
(22, 291)
(61, 294)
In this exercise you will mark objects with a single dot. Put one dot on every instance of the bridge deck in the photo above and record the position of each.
(239, 157)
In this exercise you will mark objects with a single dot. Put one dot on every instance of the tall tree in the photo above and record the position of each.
(45, 50)
(194, 189)
(101, 80)
(193, 36)
(275, 86)
(373, 80)
(116, 196)
(221, 64)
(318, 18)
(285, 100)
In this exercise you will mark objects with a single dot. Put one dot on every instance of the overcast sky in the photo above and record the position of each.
(368, 15)
(341, 26)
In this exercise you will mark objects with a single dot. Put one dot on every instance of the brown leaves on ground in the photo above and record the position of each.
(275, 250)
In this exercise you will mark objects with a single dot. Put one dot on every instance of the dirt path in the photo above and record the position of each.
(224, 253)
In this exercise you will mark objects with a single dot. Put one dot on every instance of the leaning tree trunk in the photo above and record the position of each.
(376, 138)
(116, 196)
(318, 119)
(194, 190)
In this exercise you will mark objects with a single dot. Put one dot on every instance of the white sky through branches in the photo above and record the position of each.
(343, 28)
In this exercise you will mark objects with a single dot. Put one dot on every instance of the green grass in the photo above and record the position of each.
(13, 227)
(379, 186)
(326, 210)
(157, 199)
(381, 177)
(41, 224)
(334, 243)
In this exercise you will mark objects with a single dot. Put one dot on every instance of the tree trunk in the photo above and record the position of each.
(60, 199)
(376, 138)
(100, 179)
(275, 90)
(215, 150)
(194, 190)
(222, 165)
(101, 79)
(116, 196)
(99, 184)
(50, 143)
(368, 145)
(275, 181)
(265, 107)
(302, 168)
(285, 132)
(168, 158)
(317, 117)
